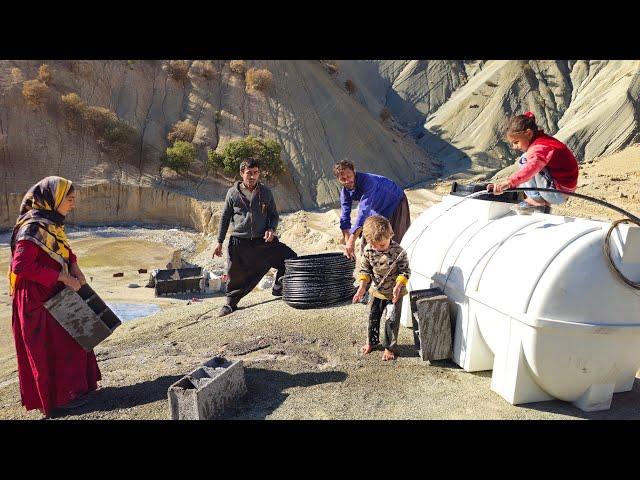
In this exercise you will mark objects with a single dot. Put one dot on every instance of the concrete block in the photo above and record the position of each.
(204, 393)
(431, 324)
(83, 315)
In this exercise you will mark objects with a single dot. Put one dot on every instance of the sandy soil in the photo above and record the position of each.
(298, 363)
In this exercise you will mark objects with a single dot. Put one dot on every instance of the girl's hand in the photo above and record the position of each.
(498, 188)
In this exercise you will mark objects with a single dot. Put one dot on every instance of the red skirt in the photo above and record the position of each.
(53, 368)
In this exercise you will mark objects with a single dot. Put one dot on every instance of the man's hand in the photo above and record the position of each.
(349, 248)
(359, 294)
(498, 188)
(268, 236)
(76, 272)
(218, 250)
(396, 292)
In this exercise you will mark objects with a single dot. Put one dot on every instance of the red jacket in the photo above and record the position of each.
(546, 151)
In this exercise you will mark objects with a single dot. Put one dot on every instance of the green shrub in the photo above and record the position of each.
(35, 92)
(259, 79)
(120, 137)
(268, 152)
(180, 156)
(184, 130)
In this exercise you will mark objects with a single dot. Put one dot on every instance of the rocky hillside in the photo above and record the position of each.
(455, 109)
(411, 120)
(306, 109)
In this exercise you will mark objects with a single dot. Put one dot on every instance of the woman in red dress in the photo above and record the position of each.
(54, 370)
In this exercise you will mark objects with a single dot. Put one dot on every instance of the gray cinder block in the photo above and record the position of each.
(83, 315)
(204, 393)
(431, 324)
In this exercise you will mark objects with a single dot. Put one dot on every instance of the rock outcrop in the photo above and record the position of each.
(410, 120)
(316, 121)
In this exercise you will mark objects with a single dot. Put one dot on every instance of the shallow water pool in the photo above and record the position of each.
(132, 311)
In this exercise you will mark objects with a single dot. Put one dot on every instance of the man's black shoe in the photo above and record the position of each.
(225, 310)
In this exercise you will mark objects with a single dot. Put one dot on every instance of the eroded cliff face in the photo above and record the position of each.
(442, 117)
(307, 110)
(456, 109)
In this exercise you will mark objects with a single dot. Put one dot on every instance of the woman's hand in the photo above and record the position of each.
(76, 272)
(69, 281)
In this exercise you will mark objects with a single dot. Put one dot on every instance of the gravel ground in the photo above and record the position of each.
(299, 364)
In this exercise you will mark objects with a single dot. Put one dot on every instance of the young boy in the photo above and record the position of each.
(385, 262)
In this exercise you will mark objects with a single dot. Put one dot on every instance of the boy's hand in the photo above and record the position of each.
(218, 251)
(396, 292)
(359, 295)
(268, 236)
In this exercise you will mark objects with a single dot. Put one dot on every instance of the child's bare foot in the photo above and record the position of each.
(388, 355)
(367, 349)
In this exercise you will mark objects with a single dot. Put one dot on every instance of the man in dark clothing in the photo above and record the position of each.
(253, 247)
(377, 196)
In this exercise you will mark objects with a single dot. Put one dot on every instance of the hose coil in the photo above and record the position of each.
(321, 280)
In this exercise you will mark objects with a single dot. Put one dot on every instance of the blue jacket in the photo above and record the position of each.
(377, 195)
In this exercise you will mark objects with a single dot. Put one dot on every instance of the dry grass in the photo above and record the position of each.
(44, 74)
(350, 87)
(204, 69)
(178, 70)
(183, 130)
(238, 67)
(35, 92)
(259, 79)
(16, 75)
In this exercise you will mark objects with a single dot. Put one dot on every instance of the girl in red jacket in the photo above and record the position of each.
(546, 163)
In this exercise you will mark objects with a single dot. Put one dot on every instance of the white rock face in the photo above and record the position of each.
(446, 116)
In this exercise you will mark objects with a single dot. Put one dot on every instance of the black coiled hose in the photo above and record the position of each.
(314, 281)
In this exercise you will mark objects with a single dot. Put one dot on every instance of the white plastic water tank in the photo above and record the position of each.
(533, 298)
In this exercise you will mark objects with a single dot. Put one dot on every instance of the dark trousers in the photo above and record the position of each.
(400, 221)
(391, 325)
(249, 260)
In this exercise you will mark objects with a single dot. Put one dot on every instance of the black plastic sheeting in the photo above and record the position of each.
(316, 281)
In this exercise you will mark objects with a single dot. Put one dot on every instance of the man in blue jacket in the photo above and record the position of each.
(377, 196)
